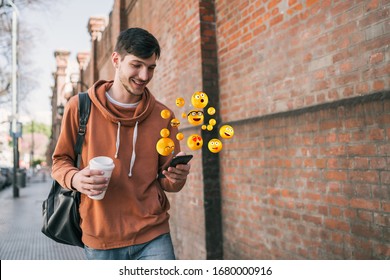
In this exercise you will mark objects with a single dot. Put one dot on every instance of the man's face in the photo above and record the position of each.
(134, 73)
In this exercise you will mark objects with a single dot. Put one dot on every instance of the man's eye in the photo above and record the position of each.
(136, 65)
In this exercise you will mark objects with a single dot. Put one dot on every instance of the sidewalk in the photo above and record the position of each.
(20, 226)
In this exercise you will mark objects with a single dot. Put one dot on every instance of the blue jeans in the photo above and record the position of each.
(160, 248)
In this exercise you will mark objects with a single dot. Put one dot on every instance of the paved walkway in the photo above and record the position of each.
(20, 226)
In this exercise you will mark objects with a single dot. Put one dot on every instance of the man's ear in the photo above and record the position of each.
(115, 58)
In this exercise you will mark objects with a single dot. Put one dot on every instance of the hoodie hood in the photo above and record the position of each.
(144, 108)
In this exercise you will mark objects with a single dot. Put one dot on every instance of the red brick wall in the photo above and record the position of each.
(284, 55)
(306, 175)
(309, 185)
(178, 74)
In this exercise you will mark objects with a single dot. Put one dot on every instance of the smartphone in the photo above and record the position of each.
(180, 160)
(184, 159)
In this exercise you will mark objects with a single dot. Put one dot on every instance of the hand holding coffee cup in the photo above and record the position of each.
(104, 164)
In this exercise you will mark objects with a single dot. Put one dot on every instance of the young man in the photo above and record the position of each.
(131, 221)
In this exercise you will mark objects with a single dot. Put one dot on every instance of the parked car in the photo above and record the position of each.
(6, 172)
(2, 181)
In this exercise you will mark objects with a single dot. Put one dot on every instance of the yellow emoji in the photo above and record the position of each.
(215, 145)
(175, 122)
(199, 99)
(195, 117)
(165, 114)
(164, 132)
(165, 146)
(226, 131)
(211, 111)
(180, 102)
(195, 142)
(179, 136)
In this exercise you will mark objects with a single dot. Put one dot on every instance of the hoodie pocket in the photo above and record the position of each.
(161, 200)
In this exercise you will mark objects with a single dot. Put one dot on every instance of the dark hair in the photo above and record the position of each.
(138, 42)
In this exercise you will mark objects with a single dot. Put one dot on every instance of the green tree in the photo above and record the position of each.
(34, 127)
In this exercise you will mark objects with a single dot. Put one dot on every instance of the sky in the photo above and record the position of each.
(63, 26)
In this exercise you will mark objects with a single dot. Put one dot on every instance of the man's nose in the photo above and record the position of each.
(143, 74)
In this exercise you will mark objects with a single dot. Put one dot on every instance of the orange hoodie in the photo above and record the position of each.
(134, 209)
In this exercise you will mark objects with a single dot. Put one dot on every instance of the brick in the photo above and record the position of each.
(364, 176)
(382, 219)
(385, 178)
(365, 204)
(366, 231)
(381, 251)
(322, 62)
(337, 225)
(361, 150)
(378, 85)
(310, 2)
(336, 175)
(376, 58)
(312, 219)
(343, 6)
(337, 200)
(372, 5)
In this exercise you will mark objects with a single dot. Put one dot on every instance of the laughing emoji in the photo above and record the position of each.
(226, 131)
(165, 146)
(195, 117)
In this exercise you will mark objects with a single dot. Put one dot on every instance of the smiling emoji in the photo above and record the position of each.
(226, 131)
(195, 117)
(165, 146)
(215, 145)
(199, 99)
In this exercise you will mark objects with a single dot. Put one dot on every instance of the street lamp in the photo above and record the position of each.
(14, 115)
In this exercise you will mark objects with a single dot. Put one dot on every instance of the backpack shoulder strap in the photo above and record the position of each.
(84, 109)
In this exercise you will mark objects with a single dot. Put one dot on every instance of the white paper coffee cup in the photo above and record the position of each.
(105, 164)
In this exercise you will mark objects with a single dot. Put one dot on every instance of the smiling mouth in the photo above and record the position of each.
(197, 119)
(227, 134)
(138, 83)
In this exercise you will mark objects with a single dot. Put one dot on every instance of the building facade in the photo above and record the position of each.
(306, 87)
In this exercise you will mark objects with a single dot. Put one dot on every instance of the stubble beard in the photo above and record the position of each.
(127, 87)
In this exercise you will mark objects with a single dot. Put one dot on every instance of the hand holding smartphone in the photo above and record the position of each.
(184, 159)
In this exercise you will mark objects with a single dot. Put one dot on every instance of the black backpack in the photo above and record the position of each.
(60, 211)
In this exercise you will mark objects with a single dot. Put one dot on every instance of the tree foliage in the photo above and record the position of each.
(27, 38)
(34, 127)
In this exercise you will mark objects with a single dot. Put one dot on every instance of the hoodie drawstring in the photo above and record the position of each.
(117, 144)
(118, 139)
(135, 134)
